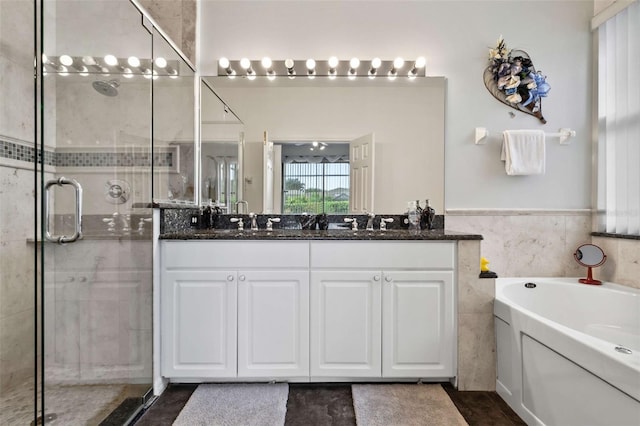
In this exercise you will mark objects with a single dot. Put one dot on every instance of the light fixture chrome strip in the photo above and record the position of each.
(331, 68)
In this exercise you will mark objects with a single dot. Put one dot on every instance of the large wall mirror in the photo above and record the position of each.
(300, 138)
(221, 152)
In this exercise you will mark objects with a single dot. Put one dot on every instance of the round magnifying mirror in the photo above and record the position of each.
(590, 256)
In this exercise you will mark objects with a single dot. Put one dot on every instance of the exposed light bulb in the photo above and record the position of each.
(311, 64)
(421, 61)
(111, 60)
(45, 59)
(88, 60)
(266, 62)
(245, 63)
(224, 63)
(375, 64)
(288, 63)
(354, 63)
(133, 61)
(66, 60)
(314, 143)
(161, 62)
(398, 63)
(333, 62)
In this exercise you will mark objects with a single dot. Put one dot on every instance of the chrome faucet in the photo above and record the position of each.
(353, 222)
(254, 221)
(271, 221)
(116, 217)
(141, 224)
(370, 221)
(383, 223)
(246, 206)
(240, 222)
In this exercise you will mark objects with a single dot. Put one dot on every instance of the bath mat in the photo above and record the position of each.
(320, 404)
(404, 405)
(235, 404)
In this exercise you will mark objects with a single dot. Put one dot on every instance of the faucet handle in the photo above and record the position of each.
(240, 222)
(383, 223)
(353, 222)
(271, 221)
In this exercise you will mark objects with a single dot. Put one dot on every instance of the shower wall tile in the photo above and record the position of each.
(189, 19)
(16, 277)
(16, 349)
(17, 84)
(16, 31)
(16, 199)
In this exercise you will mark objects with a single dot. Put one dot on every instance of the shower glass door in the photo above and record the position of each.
(96, 250)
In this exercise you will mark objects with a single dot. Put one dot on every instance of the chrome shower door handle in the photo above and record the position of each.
(77, 232)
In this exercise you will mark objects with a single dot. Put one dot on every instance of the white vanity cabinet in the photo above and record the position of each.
(382, 309)
(235, 309)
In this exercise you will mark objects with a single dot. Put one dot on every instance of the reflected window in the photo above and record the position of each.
(316, 182)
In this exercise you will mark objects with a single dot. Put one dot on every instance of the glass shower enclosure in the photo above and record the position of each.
(116, 133)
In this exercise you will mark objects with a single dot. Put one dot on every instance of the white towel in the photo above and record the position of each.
(523, 152)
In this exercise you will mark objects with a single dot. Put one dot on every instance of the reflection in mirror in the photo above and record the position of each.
(221, 152)
(591, 256)
(314, 177)
(407, 117)
(173, 124)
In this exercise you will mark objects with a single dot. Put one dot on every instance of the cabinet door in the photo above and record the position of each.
(199, 311)
(273, 323)
(345, 323)
(418, 324)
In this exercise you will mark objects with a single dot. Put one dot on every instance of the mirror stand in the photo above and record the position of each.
(590, 256)
(589, 279)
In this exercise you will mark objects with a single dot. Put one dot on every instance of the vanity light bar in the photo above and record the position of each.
(331, 68)
(109, 64)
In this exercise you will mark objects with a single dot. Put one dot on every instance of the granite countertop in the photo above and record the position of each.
(332, 234)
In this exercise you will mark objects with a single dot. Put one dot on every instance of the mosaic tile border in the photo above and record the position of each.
(16, 151)
(20, 152)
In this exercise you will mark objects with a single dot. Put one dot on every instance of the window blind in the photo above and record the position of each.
(618, 195)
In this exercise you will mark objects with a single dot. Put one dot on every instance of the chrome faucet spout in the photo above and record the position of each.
(254, 221)
(370, 221)
(246, 206)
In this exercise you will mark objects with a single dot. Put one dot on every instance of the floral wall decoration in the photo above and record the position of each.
(513, 80)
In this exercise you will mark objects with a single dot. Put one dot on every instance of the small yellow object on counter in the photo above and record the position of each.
(484, 264)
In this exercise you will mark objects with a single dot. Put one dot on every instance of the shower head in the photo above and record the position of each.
(107, 88)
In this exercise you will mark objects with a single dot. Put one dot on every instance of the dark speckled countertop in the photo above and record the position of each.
(332, 234)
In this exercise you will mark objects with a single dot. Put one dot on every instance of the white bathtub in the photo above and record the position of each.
(556, 351)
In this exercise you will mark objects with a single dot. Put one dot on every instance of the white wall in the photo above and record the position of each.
(455, 37)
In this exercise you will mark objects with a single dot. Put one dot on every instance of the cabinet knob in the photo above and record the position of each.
(230, 278)
(242, 278)
(376, 278)
(388, 279)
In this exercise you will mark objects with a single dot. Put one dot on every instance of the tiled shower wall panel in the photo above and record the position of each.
(17, 305)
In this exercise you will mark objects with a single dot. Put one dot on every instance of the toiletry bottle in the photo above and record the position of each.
(412, 214)
(427, 217)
